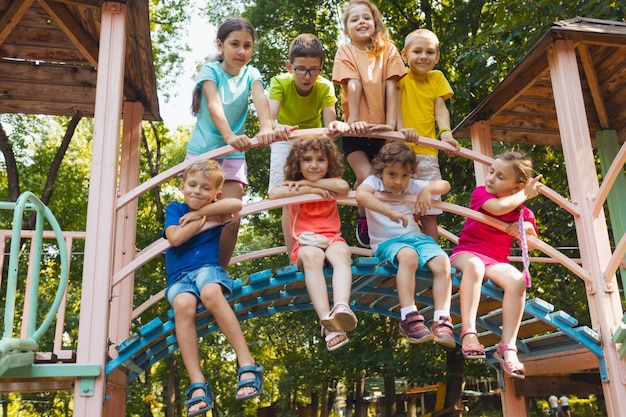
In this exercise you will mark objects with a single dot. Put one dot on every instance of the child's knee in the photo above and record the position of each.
(407, 257)
(185, 305)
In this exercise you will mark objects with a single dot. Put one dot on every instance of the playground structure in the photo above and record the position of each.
(99, 384)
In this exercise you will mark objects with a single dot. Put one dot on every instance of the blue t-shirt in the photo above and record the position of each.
(200, 250)
(234, 92)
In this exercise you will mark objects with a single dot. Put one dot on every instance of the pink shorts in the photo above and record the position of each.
(235, 169)
(488, 261)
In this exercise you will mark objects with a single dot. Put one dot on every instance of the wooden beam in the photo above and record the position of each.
(594, 85)
(96, 4)
(13, 14)
(73, 29)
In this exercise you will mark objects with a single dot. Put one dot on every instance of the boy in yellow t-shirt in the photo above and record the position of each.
(424, 92)
(299, 98)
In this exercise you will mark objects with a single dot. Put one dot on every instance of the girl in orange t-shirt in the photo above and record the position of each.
(368, 69)
(314, 166)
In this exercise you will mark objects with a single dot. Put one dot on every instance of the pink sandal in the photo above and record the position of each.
(340, 319)
(514, 369)
(472, 350)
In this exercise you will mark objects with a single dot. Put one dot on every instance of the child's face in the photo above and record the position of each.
(237, 50)
(314, 165)
(396, 178)
(360, 25)
(421, 54)
(199, 190)
(305, 71)
(501, 180)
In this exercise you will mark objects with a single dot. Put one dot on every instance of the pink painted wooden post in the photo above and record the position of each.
(481, 142)
(98, 264)
(593, 240)
(125, 236)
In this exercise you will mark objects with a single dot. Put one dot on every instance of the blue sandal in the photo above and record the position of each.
(256, 382)
(208, 398)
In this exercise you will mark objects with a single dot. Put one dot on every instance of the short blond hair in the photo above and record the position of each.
(210, 169)
(421, 33)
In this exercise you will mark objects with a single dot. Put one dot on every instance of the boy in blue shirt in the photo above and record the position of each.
(194, 275)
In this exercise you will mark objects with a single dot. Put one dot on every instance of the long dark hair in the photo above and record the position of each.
(229, 25)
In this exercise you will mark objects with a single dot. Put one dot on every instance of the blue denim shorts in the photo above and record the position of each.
(425, 246)
(194, 281)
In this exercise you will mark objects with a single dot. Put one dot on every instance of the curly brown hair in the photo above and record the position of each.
(394, 153)
(521, 164)
(315, 142)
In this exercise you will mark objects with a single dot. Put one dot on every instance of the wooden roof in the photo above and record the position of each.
(49, 57)
(521, 108)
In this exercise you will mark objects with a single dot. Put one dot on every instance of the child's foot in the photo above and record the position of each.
(509, 363)
(362, 235)
(334, 340)
(250, 382)
(199, 399)
(443, 331)
(414, 329)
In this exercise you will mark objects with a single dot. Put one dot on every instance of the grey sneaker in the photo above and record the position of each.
(414, 329)
(443, 331)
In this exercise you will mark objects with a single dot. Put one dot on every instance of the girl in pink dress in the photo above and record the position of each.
(483, 252)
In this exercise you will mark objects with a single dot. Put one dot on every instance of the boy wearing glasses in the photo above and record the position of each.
(299, 99)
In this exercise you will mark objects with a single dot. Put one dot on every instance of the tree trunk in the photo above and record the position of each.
(454, 379)
(324, 398)
(360, 410)
(390, 396)
(315, 398)
(13, 178)
(172, 407)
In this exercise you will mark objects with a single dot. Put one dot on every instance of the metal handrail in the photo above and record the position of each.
(28, 201)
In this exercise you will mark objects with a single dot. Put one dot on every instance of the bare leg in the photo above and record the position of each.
(338, 254)
(511, 280)
(405, 280)
(228, 241)
(442, 284)
(473, 272)
(185, 316)
(215, 303)
(286, 225)
(361, 166)
(312, 260)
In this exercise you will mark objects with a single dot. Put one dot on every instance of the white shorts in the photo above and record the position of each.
(278, 156)
(428, 170)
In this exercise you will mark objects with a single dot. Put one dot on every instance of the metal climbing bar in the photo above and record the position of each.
(15, 352)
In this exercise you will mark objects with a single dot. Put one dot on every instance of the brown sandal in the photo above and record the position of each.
(472, 350)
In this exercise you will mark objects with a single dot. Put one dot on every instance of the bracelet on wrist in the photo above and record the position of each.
(443, 129)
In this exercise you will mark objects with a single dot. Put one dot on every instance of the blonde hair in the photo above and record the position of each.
(303, 144)
(381, 34)
(421, 33)
(210, 169)
(521, 164)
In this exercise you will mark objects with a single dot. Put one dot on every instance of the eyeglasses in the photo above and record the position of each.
(302, 71)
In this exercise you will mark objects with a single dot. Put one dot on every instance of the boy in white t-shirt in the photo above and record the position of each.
(397, 238)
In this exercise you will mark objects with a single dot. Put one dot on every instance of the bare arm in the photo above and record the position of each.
(326, 187)
(262, 107)
(503, 205)
(410, 134)
(423, 201)
(366, 198)
(442, 115)
(216, 110)
(215, 210)
(282, 132)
